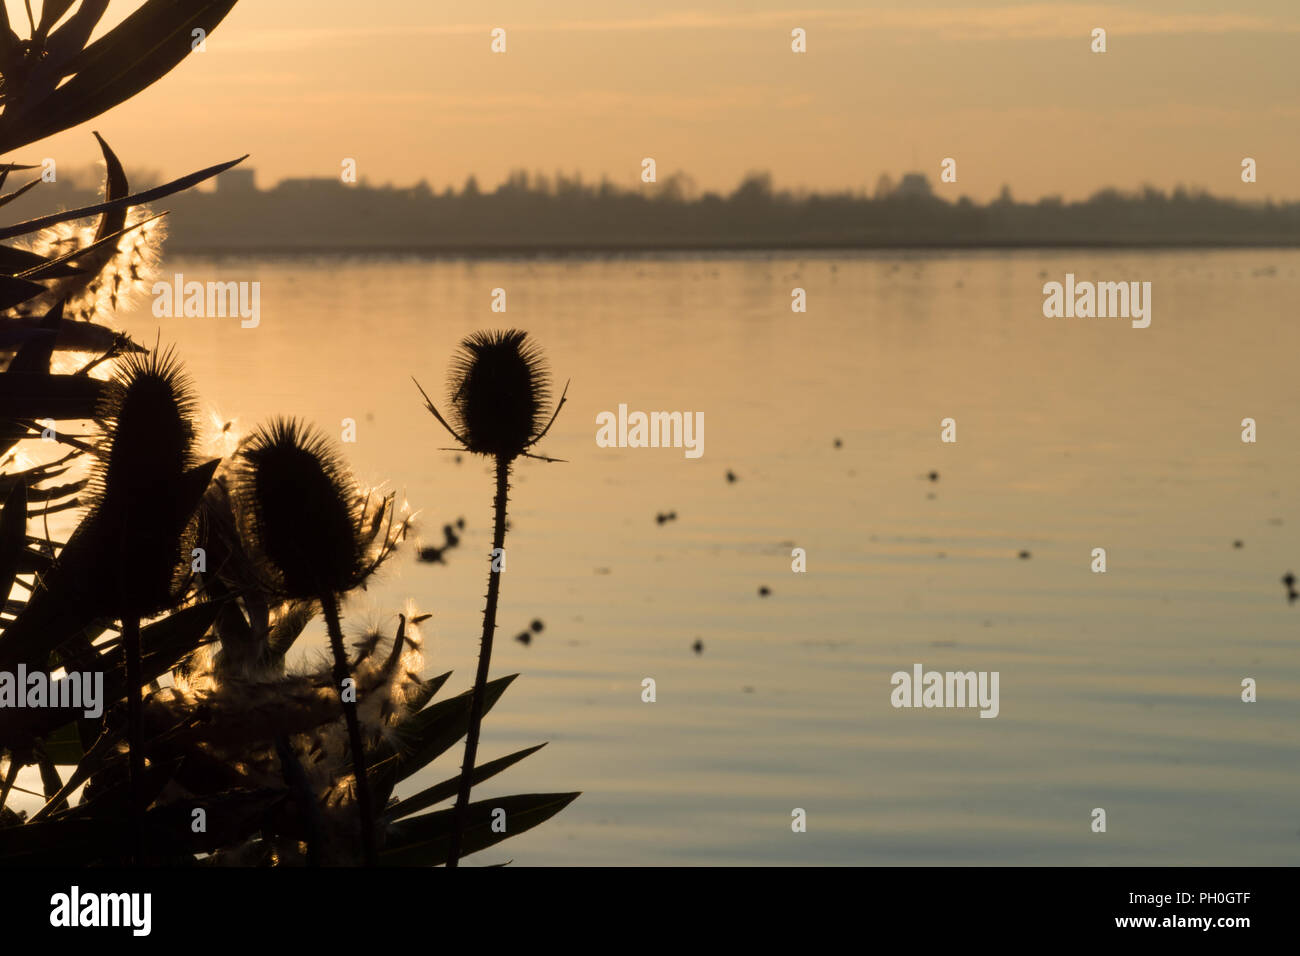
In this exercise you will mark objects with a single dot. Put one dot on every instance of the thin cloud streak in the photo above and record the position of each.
(1034, 21)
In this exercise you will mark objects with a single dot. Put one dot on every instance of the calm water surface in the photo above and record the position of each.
(1118, 690)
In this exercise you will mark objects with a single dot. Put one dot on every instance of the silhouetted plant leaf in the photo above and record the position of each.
(426, 840)
(428, 690)
(13, 261)
(427, 735)
(162, 645)
(15, 291)
(141, 49)
(34, 396)
(35, 355)
(52, 12)
(54, 493)
(76, 840)
(73, 335)
(137, 199)
(7, 198)
(423, 737)
(33, 562)
(64, 746)
(13, 536)
(447, 789)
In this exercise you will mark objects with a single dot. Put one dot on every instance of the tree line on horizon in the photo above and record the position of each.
(535, 211)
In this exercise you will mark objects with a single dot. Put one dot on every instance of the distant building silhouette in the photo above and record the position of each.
(305, 184)
(914, 186)
(239, 181)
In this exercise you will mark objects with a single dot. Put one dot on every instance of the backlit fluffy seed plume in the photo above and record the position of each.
(302, 509)
(126, 261)
(262, 703)
(110, 277)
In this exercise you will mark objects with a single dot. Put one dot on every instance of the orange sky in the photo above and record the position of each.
(410, 89)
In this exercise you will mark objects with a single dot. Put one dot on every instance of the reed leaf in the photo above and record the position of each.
(426, 840)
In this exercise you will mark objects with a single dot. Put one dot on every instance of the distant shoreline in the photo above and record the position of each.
(608, 250)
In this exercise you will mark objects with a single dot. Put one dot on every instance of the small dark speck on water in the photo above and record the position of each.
(1024, 555)
(602, 571)
(458, 459)
(537, 625)
(731, 476)
(933, 476)
(838, 443)
(1237, 543)
(764, 591)
(698, 646)
(664, 517)
(747, 689)
(524, 638)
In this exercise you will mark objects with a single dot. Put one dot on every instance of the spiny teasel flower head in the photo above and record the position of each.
(148, 423)
(139, 520)
(498, 391)
(302, 511)
(111, 276)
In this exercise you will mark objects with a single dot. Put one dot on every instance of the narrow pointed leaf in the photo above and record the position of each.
(149, 195)
(426, 840)
(448, 788)
(13, 536)
(15, 291)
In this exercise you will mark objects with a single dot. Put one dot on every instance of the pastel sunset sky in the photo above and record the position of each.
(411, 90)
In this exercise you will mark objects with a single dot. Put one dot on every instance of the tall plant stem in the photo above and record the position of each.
(9, 780)
(135, 734)
(484, 660)
(341, 673)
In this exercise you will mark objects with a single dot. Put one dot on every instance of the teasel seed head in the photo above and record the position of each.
(148, 420)
(499, 390)
(144, 486)
(302, 510)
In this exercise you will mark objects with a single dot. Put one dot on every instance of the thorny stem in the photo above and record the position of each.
(331, 608)
(484, 659)
(135, 736)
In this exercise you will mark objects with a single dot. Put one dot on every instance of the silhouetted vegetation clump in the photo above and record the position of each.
(187, 579)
